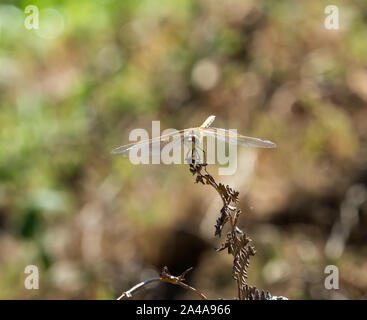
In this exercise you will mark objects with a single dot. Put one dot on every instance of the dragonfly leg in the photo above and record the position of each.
(190, 156)
(193, 150)
(204, 154)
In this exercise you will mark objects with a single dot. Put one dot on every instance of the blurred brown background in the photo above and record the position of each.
(95, 224)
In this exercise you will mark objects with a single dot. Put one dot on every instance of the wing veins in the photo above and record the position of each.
(162, 138)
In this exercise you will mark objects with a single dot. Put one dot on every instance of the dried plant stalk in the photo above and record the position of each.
(237, 243)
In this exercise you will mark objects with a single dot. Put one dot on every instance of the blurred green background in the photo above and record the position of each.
(95, 224)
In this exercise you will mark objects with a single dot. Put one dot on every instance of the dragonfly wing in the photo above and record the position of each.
(234, 138)
(133, 149)
(149, 147)
(125, 149)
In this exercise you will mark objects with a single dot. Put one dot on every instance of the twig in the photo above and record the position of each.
(165, 277)
(237, 242)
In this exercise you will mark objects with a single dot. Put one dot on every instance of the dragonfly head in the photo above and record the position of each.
(191, 137)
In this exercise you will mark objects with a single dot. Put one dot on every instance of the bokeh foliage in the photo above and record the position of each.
(95, 224)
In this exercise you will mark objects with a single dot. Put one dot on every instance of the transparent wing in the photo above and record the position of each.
(234, 138)
(152, 146)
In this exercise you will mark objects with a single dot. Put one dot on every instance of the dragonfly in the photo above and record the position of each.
(192, 137)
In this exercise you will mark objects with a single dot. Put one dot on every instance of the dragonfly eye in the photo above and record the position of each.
(191, 137)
